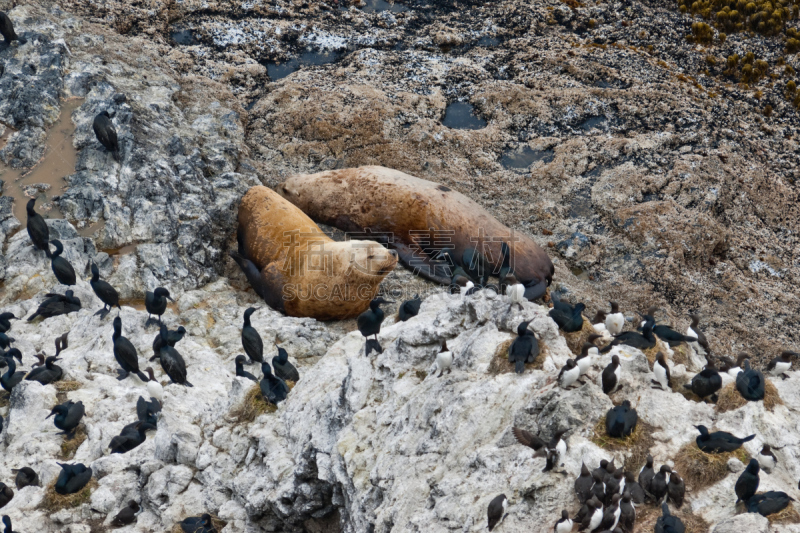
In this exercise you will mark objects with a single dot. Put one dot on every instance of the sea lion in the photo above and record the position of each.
(298, 269)
(419, 219)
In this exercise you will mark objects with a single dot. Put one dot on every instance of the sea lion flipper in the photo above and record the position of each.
(420, 263)
(535, 291)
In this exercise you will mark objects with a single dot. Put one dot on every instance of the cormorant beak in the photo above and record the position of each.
(51, 414)
(170, 299)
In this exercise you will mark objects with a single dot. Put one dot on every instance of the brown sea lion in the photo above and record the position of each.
(298, 269)
(419, 219)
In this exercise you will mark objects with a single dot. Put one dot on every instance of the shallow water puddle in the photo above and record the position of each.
(278, 70)
(374, 6)
(461, 116)
(184, 37)
(525, 156)
(46, 179)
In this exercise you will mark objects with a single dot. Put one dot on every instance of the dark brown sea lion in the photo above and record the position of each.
(419, 219)
(298, 269)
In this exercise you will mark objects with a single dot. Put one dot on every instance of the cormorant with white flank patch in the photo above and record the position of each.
(781, 364)
(46, 374)
(5, 321)
(621, 420)
(750, 383)
(7, 28)
(567, 317)
(611, 513)
(6, 494)
(707, 382)
(409, 308)
(240, 371)
(634, 488)
(733, 368)
(641, 341)
(26, 476)
(747, 484)
(105, 133)
(172, 362)
(667, 523)
(768, 503)
(701, 344)
(593, 518)
(37, 228)
(610, 377)
(497, 510)
(72, 478)
(68, 416)
(569, 374)
(583, 485)
(676, 489)
(524, 349)
(127, 515)
(125, 353)
(201, 524)
(130, 439)
(251, 340)
(11, 377)
(661, 372)
(615, 321)
(444, 360)
(283, 368)
(564, 524)
(156, 304)
(107, 294)
(57, 304)
(627, 517)
(63, 271)
(154, 388)
(658, 486)
(719, 441)
(273, 388)
(369, 323)
(767, 459)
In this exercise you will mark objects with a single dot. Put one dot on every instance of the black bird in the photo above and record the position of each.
(611, 375)
(7, 30)
(68, 416)
(567, 317)
(173, 337)
(106, 134)
(694, 330)
(64, 272)
(613, 485)
(670, 336)
(750, 383)
(72, 478)
(130, 439)
(611, 513)
(6, 494)
(240, 371)
(747, 484)
(147, 411)
(642, 341)
(409, 308)
(57, 304)
(524, 349)
(11, 378)
(283, 368)
(369, 323)
(5, 321)
(593, 517)
(37, 228)
(564, 524)
(5, 341)
(273, 388)
(127, 515)
(26, 476)
(598, 486)
(1, 422)
(583, 485)
(621, 420)
(497, 510)
(7, 524)
(658, 486)
(627, 516)
(46, 374)
(635, 489)
(768, 503)
(719, 441)
(156, 303)
(125, 353)
(707, 382)
(766, 458)
(107, 294)
(251, 340)
(667, 523)
(602, 468)
(733, 367)
(13, 352)
(172, 362)
(201, 524)
(781, 364)
(676, 489)
(552, 450)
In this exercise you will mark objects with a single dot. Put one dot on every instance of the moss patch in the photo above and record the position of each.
(647, 515)
(577, 339)
(54, 501)
(215, 521)
(788, 516)
(700, 469)
(4, 399)
(500, 365)
(63, 387)
(730, 399)
(70, 446)
(253, 405)
(636, 446)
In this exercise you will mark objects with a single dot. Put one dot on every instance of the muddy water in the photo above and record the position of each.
(46, 179)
